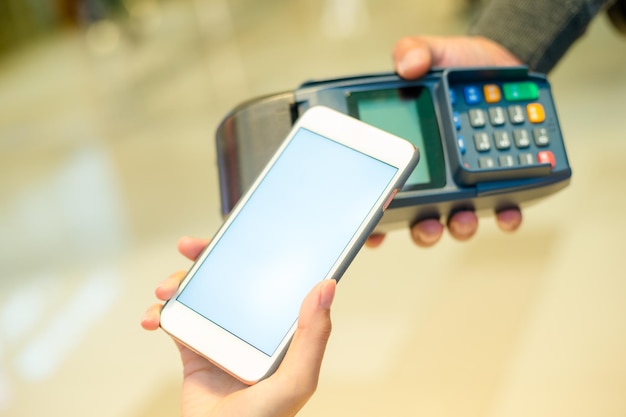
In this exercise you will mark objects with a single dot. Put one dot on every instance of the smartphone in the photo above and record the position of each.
(303, 220)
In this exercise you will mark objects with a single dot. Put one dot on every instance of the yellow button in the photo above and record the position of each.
(492, 93)
(536, 114)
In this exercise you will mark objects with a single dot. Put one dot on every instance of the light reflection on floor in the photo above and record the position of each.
(63, 330)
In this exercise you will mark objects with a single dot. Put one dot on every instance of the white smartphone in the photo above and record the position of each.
(303, 220)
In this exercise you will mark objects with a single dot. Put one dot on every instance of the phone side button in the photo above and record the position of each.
(391, 196)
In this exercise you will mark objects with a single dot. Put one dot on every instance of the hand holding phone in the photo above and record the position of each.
(207, 390)
(238, 305)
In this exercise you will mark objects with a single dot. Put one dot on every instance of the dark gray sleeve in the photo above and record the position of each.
(538, 32)
(617, 14)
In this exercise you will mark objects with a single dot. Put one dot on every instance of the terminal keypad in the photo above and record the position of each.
(505, 123)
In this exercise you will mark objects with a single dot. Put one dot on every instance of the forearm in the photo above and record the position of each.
(538, 32)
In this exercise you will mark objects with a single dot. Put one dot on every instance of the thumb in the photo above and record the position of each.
(302, 363)
(412, 57)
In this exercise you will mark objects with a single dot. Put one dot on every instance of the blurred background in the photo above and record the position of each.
(108, 110)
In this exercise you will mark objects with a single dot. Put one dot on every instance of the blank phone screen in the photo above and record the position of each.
(286, 238)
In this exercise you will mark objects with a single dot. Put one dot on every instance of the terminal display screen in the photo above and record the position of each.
(410, 114)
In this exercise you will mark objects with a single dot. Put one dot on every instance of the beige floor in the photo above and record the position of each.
(106, 157)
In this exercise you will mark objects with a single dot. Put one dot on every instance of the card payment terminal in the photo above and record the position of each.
(489, 138)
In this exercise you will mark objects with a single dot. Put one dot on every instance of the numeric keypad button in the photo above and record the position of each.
(477, 118)
(526, 159)
(516, 115)
(486, 162)
(502, 139)
(481, 142)
(496, 116)
(521, 138)
(506, 161)
(541, 137)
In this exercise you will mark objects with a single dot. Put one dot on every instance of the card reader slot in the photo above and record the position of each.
(466, 177)
(520, 185)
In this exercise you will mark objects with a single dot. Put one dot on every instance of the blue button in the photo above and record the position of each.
(452, 97)
(457, 120)
(461, 142)
(472, 95)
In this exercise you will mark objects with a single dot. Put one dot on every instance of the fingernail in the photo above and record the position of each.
(327, 294)
(462, 228)
(412, 59)
(427, 232)
(509, 220)
(465, 224)
(426, 237)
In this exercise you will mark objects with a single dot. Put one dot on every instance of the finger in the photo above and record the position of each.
(426, 233)
(509, 220)
(152, 317)
(300, 369)
(191, 247)
(375, 240)
(167, 288)
(463, 225)
(412, 57)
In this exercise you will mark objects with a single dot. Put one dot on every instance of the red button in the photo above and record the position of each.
(546, 157)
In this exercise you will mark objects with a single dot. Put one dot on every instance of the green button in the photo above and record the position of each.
(521, 91)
